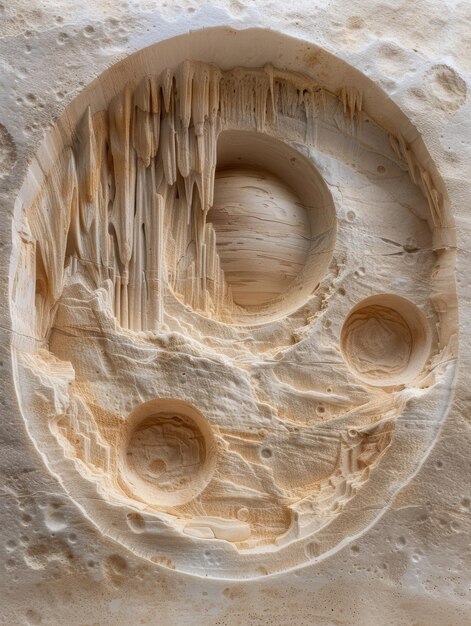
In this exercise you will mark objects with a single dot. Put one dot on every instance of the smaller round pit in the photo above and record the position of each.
(385, 340)
(167, 454)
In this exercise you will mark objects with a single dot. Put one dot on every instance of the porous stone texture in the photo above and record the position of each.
(229, 333)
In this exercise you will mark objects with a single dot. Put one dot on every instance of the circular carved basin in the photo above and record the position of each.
(195, 248)
(167, 453)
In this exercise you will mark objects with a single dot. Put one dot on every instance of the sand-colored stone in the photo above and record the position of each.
(235, 280)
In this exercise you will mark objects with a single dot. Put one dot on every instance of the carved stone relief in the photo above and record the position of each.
(210, 354)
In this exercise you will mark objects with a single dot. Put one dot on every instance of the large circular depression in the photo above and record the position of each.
(275, 225)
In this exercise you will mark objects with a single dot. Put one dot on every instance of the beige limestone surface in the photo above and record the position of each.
(235, 281)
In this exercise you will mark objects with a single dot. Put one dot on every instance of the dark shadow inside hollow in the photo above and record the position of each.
(273, 216)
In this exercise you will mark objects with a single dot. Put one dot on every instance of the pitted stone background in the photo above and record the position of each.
(413, 566)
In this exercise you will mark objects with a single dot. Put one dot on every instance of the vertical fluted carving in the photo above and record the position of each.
(135, 191)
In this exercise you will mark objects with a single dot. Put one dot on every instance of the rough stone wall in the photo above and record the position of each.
(412, 566)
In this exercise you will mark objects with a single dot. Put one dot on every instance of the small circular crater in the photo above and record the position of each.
(445, 87)
(10, 545)
(351, 216)
(55, 521)
(136, 522)
(243, 514)
(167, 453)
(117, 564)
(385, 340)
(266, 453)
